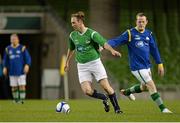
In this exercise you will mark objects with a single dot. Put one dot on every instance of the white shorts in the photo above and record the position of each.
(143, 75)
(17, 80)
(94, 68)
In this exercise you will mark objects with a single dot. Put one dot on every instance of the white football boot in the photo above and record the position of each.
(166, 111)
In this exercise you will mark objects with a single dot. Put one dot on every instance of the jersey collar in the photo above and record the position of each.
(83, 32)
(14, 46)
(139, 31)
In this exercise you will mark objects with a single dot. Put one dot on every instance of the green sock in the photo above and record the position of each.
(22, 94)
(156, 97)
(133, 89)
(15, 94)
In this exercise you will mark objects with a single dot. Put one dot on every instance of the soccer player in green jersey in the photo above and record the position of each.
(84, 42)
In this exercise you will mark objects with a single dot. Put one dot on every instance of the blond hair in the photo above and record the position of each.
(14, 34)
(140, 14)
(79, 15)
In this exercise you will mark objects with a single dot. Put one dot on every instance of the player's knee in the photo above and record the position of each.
(151, 87)
(88, 91)
(22, 87)
(109, 90)
(143, 87)
(13, 88)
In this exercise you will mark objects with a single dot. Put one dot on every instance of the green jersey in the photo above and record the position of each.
(86, 45)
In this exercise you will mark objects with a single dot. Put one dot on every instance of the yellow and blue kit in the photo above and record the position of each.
(15, 58)
(140, 47)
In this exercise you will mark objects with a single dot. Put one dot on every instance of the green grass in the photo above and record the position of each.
(86, 110)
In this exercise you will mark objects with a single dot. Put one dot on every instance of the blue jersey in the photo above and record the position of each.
(140, 46)
(15, 59)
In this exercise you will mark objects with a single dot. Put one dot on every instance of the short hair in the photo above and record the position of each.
(140, 14)
(14, 34)
(79, 15)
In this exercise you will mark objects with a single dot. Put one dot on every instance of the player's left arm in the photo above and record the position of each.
(156, 55)
(27, 59)
(103, 42)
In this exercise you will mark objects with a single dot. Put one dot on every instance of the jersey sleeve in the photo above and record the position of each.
(154, 50)
(96, 37)
(6, 59)
(120, 40)
(27, 57)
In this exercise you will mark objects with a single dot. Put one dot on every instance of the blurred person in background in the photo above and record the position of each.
(84, 42)
(4, 83)
(1, 79)
(16, 63)
(141, 44)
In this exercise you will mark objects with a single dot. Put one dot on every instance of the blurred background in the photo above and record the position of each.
(44, 26)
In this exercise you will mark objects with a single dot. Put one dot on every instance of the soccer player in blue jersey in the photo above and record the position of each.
(16, 64)
(141, 44)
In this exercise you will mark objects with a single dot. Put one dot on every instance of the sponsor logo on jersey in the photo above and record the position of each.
(17, 56)
(18, 51)
(80, 48)
(139, 44)
(12, 56)
(137, 37)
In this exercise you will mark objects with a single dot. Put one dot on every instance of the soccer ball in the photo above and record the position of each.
(62, 107)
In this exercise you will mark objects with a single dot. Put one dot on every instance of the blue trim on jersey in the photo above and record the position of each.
(140, 47)
(15, 59)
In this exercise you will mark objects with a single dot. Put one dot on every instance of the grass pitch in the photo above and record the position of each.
(87, 111)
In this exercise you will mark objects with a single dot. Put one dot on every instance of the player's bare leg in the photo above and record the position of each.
(87, 89)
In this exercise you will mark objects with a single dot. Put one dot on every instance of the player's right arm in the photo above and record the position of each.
(120, 40)
(5, 62)
(69, 56)
(70, 53)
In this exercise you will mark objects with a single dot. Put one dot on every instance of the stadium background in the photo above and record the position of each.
(44, 25)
